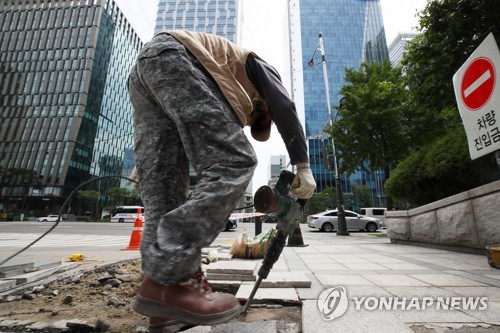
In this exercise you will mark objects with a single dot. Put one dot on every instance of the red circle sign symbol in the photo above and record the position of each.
(478, 83)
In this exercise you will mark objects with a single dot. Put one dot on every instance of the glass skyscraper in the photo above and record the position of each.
(64, 108)
(218, 17)
(353, 32)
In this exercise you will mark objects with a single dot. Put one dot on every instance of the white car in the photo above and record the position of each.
(327, 221)
(49, 218)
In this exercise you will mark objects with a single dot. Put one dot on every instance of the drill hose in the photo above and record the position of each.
(273, 253)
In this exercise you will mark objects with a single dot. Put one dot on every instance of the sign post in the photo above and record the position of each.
(477, 91)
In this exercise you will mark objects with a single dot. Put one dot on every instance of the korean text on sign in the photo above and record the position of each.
(488, 132)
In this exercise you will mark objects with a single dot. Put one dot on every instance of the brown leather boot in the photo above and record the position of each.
(192, 302)
(165, 325)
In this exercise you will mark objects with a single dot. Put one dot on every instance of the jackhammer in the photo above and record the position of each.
(269, 200)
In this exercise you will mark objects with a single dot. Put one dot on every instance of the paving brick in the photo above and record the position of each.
(331, 280)
(8, 323)
(224, 256)
(15, 269)
(286, 280)
(233, 267)
(199, 329)
(40, 326)
(46, 264)
(6, 284)
(33, 276)
(252, 327)
(351, 321)
(24, 323)
(233, 277)
(447, 280)
(272, 295)
(221, 284)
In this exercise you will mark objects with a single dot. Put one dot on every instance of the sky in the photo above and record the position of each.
(399, 16)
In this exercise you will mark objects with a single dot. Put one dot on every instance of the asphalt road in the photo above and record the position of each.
(100, 241)
(96, 241)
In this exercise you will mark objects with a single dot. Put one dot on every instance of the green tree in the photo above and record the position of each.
(89, 198)
(118, 195)
(134, 197)
(361, 196)
(324, 200)
(440, 165)
(452, 30)
(17, 176)
(24, 178)
(371, 133)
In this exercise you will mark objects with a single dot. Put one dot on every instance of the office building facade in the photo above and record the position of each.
(397, 49)
(276, 164)
(353, 32)
(64, 110)
(217, 17)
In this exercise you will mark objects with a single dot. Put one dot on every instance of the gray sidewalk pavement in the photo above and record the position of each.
(435, 280)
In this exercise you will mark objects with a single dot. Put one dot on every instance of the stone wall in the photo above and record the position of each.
(468, 220)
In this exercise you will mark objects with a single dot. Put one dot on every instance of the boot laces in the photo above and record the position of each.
(199, 279)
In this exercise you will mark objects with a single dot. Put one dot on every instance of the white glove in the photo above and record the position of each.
(134, 175)
(303, 184)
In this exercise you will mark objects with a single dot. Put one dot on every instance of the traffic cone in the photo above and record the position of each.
(295, 239)
(135, 238)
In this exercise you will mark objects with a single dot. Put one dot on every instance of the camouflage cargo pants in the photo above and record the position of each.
(181, 118)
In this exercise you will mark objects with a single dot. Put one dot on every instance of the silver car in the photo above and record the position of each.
(50, 218)
(327, 221)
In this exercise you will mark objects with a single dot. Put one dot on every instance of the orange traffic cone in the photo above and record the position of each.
(135, 238)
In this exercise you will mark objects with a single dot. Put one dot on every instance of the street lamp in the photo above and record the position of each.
(342, 226)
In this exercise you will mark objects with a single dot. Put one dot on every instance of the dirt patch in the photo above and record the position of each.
(102, 297)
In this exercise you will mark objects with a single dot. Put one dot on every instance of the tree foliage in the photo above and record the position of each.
(440, 164)
(88, 196)
(361, 196)
(118, 195)
(451, 31)
(122, 196)
(19, 176)
(326, 199)
(442, 169)
(371, 132)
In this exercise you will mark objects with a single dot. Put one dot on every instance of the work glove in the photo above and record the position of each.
(303, 184)
(134, 175)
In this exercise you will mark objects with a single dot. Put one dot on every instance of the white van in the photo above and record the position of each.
(376, 212)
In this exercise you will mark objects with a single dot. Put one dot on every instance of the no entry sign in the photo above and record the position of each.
(478, 83)
(477, 93)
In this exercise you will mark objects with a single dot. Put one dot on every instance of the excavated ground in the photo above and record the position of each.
(103, 295)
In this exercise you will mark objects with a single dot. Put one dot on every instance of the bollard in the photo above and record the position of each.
(295, 239)
(258, 225)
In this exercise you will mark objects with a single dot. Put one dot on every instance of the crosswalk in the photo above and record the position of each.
(18, 240)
